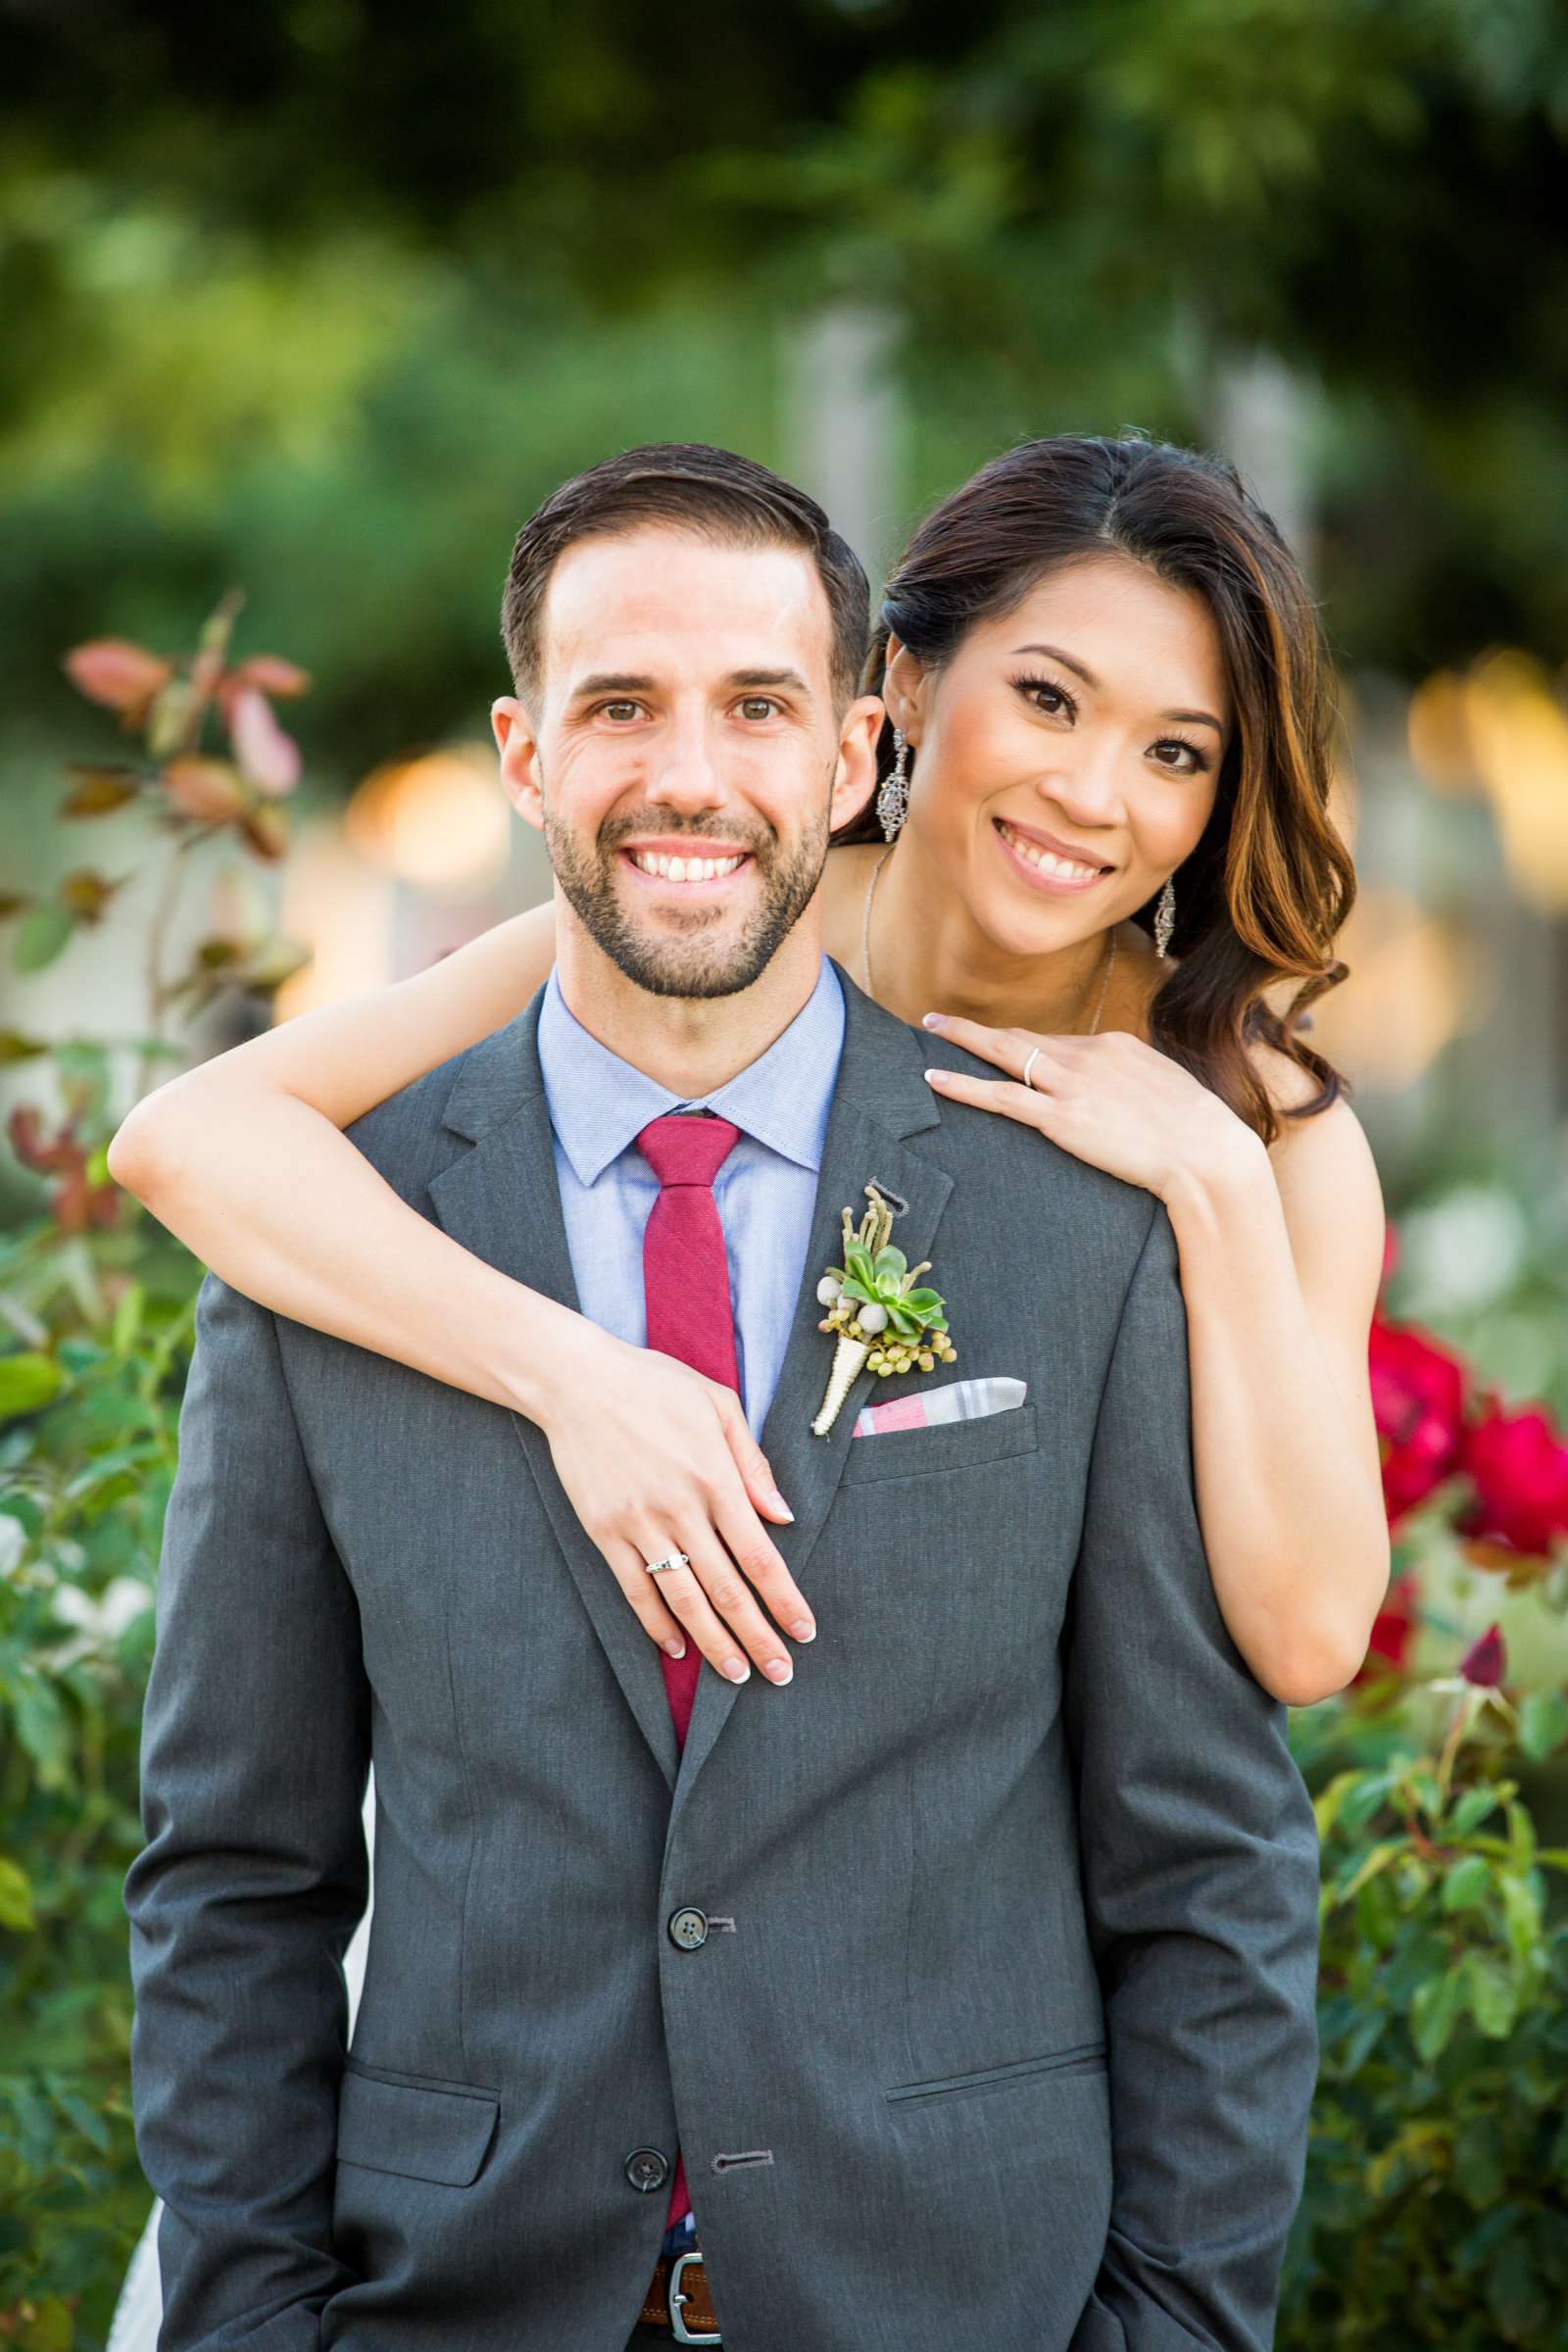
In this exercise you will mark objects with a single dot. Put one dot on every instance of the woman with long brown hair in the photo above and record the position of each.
(1101, 856)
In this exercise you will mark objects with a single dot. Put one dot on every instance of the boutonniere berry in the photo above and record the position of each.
(876, 1305)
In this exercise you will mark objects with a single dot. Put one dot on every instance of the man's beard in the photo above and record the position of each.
(706, 962)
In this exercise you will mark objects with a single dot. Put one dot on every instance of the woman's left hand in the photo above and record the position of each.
(1110, 1099)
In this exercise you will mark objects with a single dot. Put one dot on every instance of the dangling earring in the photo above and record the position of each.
(893, 793)
(1166, 918)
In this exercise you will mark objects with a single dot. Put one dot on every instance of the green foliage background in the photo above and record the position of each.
(321, 298)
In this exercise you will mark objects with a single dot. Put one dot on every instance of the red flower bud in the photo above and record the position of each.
(1484, 1662)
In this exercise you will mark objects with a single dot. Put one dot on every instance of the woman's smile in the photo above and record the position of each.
(1042, 868)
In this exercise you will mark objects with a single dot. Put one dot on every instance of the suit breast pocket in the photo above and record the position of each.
(951, 1445)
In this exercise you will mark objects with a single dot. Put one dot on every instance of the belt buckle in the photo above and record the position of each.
(682, 2333)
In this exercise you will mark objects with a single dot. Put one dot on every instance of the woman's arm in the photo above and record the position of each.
(1281, 1255)
(243, 1159)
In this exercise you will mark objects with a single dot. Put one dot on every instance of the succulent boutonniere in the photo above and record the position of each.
(875, 1305)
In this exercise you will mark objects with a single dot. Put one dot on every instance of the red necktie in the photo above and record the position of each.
(686, 1285)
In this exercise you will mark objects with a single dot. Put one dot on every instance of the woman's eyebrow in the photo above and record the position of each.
(1054, 653)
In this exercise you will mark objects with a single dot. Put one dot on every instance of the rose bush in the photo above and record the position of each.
(96, 1309)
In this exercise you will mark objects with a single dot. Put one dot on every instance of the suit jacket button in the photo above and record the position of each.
(646, 2168)
(688, 1928)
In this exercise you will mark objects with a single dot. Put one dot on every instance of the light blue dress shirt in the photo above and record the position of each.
(765, 1192)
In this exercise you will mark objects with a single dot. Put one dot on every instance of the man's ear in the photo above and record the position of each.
(903, 689)
(518, 747)
(855, 777)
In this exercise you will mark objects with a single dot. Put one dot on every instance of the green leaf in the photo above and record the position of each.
(1467, 1883)
(1521, 1837)
(903, 1323)
(1542, 1724)
(1480, 2160)
(127, 1318)
(88, 2122)
(27, 1382)
(1522, 1913)
(1435, 2012)
(1359, 1804)
(15, 1898)
(42, 934)
(1375, 1860)
(43, 1728)
(924, 1303)
(1472, 1811)
(891, 1261)
(1326, 1805)
(1493, 1995)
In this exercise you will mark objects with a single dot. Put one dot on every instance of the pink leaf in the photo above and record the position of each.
(113, 671)
(269, 758)
(206, 789)
(270, 674)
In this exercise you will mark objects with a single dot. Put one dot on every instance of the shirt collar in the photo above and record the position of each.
(600, 1104)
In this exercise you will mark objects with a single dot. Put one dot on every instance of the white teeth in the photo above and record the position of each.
(683, 869)
(1048, 858)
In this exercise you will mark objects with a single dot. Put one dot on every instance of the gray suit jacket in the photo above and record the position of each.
(1004, 2024)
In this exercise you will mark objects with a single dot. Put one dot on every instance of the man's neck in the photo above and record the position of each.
(689, 1043)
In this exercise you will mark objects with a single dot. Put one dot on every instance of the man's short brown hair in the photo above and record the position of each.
(690, 487)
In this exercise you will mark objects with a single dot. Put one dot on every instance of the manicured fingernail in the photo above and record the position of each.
(675, 1650)
(737, 1670)
(938, 1077)
(931, 1021)
(779, 1504)
(804, 1629)
(779, 1670)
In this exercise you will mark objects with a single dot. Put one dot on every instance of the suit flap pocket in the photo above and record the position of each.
(405, 2127)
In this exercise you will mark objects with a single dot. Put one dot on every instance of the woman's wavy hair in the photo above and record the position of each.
(1263, 896)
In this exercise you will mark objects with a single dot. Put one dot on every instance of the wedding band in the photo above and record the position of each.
(1029, 1064)
(676, 1559)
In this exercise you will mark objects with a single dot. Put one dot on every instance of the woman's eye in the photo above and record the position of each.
(1182, 759)
(1049, 701)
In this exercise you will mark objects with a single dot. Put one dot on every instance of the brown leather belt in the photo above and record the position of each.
(678, 2298)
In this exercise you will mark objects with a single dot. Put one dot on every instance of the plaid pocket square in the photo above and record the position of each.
(953, 1400)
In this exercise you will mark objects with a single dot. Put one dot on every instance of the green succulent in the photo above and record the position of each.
(888, 1280)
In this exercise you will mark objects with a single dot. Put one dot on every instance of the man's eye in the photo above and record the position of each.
(619, 711)
(759, 706)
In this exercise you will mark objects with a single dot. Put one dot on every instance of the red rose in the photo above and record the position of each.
(1392, 1630)
(1418, 1402)
(1517, 1464)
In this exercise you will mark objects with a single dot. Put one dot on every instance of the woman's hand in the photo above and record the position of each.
(656, 1458)
(1110, 1099)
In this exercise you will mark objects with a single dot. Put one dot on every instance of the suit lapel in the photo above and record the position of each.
(502, 1201)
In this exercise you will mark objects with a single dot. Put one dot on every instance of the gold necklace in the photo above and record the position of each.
(866, 950)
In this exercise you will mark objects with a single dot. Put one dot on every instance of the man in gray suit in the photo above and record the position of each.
(968, 1985)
